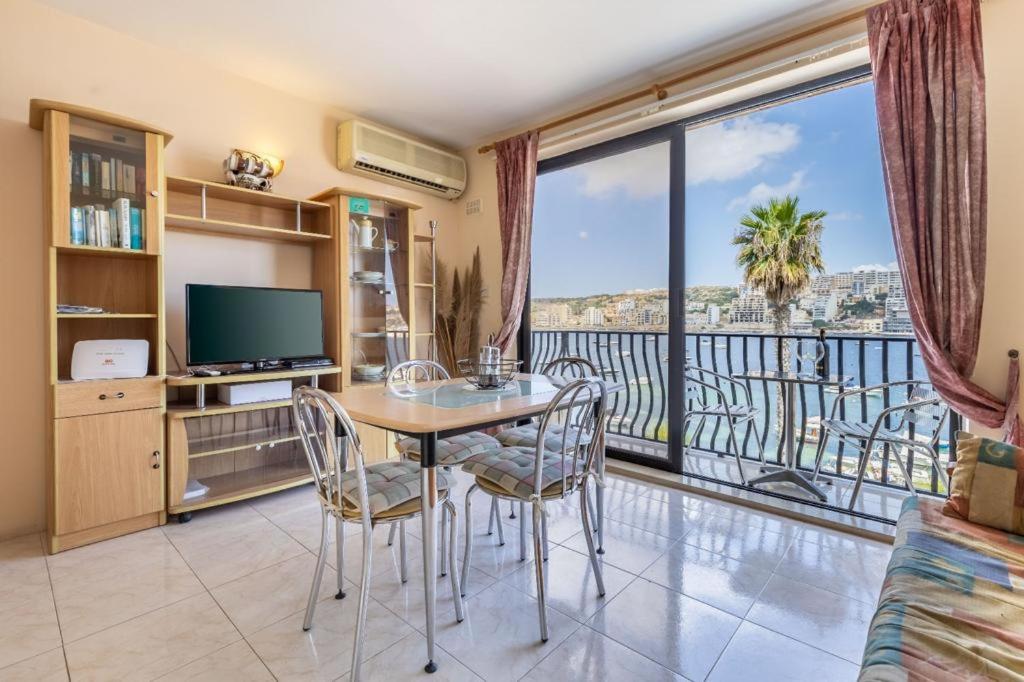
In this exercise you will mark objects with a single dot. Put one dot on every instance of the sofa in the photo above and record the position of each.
(952, 604)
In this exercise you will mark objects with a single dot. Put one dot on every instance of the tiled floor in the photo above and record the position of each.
(696, 589)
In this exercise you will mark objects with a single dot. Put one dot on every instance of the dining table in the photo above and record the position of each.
(445, 408)
(788, 472)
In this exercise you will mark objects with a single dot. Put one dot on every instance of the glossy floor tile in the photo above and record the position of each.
(756, 653)
(675, 631)
(589, 655)
(714, 579)
(695, 588)
(825, 620)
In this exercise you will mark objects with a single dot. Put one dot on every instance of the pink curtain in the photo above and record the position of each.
(517, 177)
(926, 57)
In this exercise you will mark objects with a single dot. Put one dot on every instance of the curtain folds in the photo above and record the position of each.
(926, 58)
(517, 178)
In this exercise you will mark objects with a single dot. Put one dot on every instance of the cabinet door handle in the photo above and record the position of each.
(154, 193)
(116, 396)
(156, 459)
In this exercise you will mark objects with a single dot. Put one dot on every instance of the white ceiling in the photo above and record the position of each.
(455, 71)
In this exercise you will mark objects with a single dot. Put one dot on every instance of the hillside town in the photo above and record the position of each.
(863, 301)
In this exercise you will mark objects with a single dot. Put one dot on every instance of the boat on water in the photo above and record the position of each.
(721, 345)
(705, 342)
(624, 354)
(618, 421)
(640, 381)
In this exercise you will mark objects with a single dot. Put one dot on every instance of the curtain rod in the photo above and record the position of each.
(660, 89)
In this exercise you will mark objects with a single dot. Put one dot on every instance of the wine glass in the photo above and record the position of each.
(809, 352)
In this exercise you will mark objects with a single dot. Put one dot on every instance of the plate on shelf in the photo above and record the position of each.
(371, 276)
(368, 335)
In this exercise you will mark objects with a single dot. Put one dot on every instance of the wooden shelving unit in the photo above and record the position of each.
(258, 453)
(105, 465)
(216, 208)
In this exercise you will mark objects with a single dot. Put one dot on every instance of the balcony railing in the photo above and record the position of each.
(640, 361)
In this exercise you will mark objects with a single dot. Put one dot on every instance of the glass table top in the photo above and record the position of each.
(464, 394)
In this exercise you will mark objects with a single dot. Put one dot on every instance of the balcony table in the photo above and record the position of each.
(441, 409)
(790, 380)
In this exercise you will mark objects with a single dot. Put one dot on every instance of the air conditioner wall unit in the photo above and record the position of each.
(368, 150)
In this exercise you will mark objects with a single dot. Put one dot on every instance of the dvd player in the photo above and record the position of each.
(305, 363)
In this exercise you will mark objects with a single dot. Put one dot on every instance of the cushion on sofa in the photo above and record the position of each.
(987, 486)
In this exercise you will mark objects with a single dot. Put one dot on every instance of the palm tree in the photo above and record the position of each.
(780, 248)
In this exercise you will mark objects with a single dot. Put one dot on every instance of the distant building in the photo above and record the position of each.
(750, 308)
(825, 308)
(541, 318)
(897, 314)
(714, 314)
(593, 317)
(626, 306)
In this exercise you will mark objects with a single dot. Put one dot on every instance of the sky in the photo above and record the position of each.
(602, 227)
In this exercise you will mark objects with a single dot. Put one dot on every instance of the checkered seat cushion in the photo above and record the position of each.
(453, 450)
(513, 469)
(389, 485)
(526, 436)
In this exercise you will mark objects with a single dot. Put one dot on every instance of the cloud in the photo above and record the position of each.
(875, 267)
(716, 153)
(762, 191)
(584, 235)
(641, 174)
(732, 149)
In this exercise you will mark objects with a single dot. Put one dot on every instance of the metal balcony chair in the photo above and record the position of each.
(351, 492)
(718, 396)
(525, 435)
(451, 451)
(924, 412)
(537, 475)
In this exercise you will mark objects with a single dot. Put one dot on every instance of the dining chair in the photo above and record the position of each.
(525, 435)
(919, 421)
(537, 475)
(451, 451)
(718, 396)
(351, 491)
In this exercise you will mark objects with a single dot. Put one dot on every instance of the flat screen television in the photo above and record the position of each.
(227, 324)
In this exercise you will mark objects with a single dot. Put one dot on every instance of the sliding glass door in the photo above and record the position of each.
(640, 265)
(601, 280)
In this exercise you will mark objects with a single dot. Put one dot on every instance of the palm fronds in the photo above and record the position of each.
(457, 327)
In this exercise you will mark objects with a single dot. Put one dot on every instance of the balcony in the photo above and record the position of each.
(639, 421)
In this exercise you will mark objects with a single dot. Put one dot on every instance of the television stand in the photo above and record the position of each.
(236, 451)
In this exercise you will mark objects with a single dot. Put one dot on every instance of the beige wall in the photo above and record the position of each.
(1002, 325)
(47, 54)
(1003, 320)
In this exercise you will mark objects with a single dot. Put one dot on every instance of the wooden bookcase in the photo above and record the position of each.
(105, 461)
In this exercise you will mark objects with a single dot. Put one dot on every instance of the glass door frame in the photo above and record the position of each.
(674, 133)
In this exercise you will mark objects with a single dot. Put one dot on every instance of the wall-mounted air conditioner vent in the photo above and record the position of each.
(372, 151)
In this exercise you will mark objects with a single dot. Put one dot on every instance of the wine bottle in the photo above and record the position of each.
(821, 357)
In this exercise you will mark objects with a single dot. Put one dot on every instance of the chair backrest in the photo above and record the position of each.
(928, 412)
(413, 371)
(570, 366)
(321, 422)
(586, 399)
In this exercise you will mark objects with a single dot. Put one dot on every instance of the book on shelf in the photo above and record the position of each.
(103, 226)
(136, 228)
(91, 174)
(122, 214)
(77, 226)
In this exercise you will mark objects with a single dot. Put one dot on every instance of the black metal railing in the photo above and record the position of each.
(640, 361)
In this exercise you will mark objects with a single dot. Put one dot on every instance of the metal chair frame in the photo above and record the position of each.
(329, 438)
(699, 381)
(923, 405)
(409, 372)
(587, 398)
